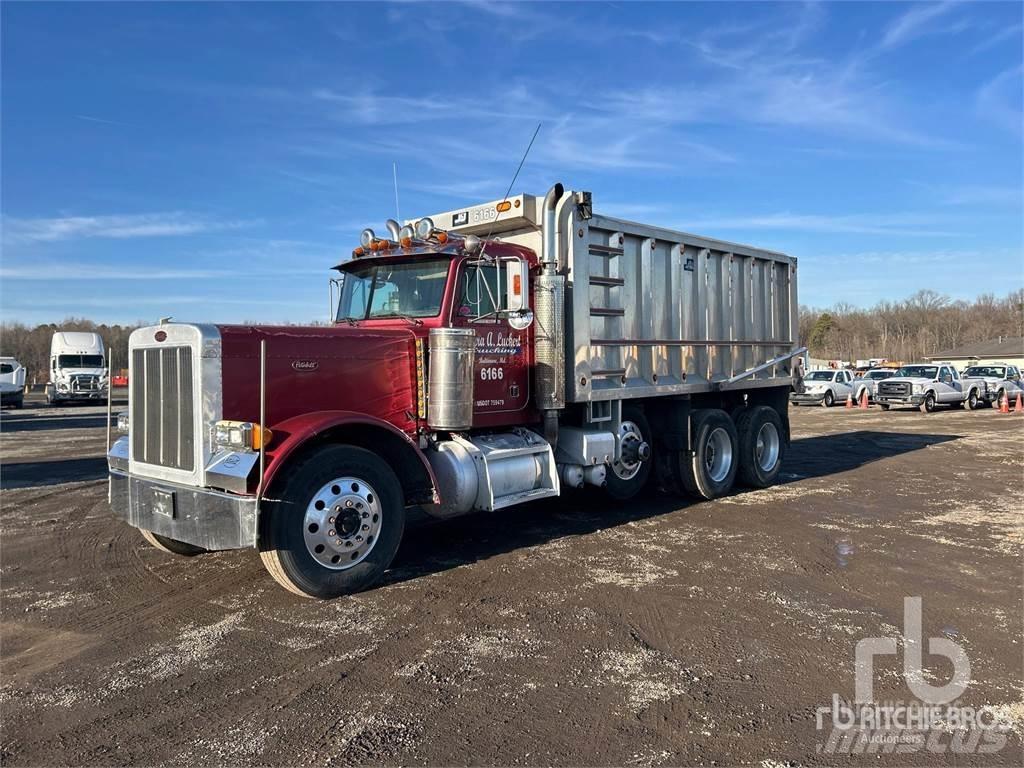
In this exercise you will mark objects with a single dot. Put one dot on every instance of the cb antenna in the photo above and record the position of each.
(511, 184)
(394, 172)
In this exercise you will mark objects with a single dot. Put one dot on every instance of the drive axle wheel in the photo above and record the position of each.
(761, 446)
(629, 474)
(173, 546)
(336, 524)
(710, 469)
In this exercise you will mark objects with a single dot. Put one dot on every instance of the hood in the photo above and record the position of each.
(908, 380)
(67, 372)
(369, 370)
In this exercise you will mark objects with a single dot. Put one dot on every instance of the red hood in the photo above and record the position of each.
(369, 370)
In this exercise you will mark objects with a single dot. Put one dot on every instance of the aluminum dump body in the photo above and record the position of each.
(653, 311)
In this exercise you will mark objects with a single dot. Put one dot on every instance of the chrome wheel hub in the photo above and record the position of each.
(342, 523)
(766, 449)
(718, 455)
(633, 451)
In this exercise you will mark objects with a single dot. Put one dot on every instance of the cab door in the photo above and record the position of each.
(843, 384)
(945, 386)
(501, 386)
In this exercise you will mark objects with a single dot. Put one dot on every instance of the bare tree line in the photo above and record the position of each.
(920, 325)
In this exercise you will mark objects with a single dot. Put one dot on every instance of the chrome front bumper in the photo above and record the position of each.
(199, 516)
(914, 400)
(806, 397)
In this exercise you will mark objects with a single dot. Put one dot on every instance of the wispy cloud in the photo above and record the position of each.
(104, 121)
(999, 100)
(118, 226)
(912, 225)
(914, 23)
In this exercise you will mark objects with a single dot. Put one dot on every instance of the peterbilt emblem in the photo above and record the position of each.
(305, 365)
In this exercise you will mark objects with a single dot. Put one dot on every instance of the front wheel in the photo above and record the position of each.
(829, 399)
(761, 446)
(972, 400)
(336, 523)
(884, 406)
(710, 469)
(172, 546)
(929, 403)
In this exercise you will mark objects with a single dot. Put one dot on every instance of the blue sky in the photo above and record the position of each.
(212, 161)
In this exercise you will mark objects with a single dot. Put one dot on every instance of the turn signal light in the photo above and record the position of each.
(241, 435)
(503, 206)
(442, 237)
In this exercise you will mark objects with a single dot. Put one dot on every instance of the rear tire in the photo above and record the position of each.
(336, 523)
(625, 478)
(710, 470)
(172, 546)
(762, 446)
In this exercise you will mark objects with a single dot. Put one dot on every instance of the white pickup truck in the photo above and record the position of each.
(926, 386)
(994, 381)
(826, 387)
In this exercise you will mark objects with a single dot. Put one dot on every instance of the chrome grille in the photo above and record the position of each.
(898, 388)
(162, 424)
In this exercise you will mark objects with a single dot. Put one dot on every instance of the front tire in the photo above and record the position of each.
(884, 406)
(829, 399)
(972, 400)
(710, 470)
(762, 446)
(336, 524)
(172, 546)
(628, 476)
(929, 403)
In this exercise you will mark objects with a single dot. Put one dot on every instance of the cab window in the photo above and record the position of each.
(480, 293)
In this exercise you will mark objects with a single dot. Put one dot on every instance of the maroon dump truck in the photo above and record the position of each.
(479, 359)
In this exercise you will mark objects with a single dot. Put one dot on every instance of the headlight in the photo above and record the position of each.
(122, 422)
(240, 435)
(918, 389)
(62, 387)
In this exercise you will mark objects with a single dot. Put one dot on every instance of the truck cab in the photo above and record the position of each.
(78, 368)
(12, 382)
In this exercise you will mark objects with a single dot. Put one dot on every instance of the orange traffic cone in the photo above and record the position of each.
(1019, 407)
(864, 399)
(1004, 404)
(849, 401)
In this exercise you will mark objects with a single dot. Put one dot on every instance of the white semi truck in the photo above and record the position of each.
(78, 368)
(12, 382)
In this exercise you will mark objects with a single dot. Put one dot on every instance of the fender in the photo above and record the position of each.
(292, 434)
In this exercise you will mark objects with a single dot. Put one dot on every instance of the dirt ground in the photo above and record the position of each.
(575, 632)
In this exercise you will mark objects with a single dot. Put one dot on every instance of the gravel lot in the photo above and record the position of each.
(571, 632)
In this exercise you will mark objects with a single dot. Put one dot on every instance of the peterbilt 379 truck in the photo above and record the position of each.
(479, 359)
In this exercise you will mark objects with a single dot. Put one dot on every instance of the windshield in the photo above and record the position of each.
(820, 376)
(919, 371)
(409, 289)
(876, 375)
(80, 361)
(986, 370)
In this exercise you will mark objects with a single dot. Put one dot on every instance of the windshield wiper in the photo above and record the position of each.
(410, 318)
